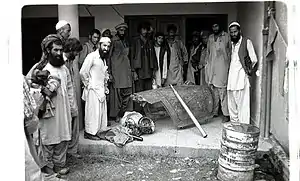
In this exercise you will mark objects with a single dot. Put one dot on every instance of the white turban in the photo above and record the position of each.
(60, 24)
(105, 39)
(234, 24)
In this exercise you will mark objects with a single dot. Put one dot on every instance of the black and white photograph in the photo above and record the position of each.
(158, 91)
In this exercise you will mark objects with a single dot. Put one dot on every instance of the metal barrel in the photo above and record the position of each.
(237, 154)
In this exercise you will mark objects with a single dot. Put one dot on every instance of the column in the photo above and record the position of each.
(70, 14)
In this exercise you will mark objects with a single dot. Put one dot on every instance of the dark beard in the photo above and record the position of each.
(55, 61)
(235, 40)
(122, 37)
(103, 55)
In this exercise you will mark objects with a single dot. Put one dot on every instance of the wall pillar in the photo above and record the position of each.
(70, 14)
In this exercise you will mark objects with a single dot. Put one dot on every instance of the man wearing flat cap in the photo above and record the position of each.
(218, 52)
(122, 74)
(242, 67)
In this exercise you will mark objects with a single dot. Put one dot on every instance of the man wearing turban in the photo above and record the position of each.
(55, 130)
(94, 75)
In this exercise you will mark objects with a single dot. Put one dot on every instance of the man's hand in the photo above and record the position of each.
(47, 92)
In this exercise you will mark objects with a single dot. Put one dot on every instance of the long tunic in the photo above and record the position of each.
(239, 86)
(191, 70)
(119, 63)
(218, 61)
(237, 77)
(179, 56)
(159, 75)
(202, 63)
(94, 76)
(58, 128)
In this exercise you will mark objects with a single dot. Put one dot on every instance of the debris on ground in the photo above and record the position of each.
(97, 168)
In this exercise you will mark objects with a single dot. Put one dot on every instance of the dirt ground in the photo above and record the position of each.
(141, 168)
(92, 168)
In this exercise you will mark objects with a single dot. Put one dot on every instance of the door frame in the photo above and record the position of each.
(182, 18)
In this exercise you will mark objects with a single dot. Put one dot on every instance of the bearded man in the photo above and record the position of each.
(94, 75)
(122, 73)
(178, 57)
(55, 131)
(144, 59)
(63, 30)
(217, 67)
(243, 61)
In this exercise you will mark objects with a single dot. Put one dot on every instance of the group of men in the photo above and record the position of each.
(230, 66)
(226, 63)
(51, 85)
(111, 68)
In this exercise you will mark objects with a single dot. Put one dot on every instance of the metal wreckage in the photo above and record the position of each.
(186, 105)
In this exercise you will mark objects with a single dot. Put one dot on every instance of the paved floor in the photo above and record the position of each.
(169, 141)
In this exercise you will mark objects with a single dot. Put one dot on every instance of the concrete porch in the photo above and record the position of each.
(168, 141)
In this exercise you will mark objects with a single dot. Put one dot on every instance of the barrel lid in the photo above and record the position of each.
(241, 128)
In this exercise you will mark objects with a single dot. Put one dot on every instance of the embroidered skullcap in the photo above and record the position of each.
(234, 24)
(122, 25)
(60, 24)
(105, 39)
(49, 39)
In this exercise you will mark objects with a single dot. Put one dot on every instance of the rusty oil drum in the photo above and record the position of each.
(237, 154)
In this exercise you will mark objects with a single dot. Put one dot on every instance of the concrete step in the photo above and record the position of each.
(168, 141)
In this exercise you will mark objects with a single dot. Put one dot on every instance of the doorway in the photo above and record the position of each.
(35, 29)
(203, 23)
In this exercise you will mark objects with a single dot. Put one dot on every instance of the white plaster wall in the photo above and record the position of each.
(106, 17)
(251, 18)
(279, 111)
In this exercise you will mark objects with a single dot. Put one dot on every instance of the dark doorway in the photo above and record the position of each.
(35, 29)
(203, 22)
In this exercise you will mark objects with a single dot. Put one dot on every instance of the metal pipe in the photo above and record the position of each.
(264, 84)
(271, 12)
(189, 112)
(268, 99)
